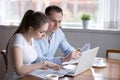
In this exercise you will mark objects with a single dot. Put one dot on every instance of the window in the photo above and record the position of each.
(11, 11)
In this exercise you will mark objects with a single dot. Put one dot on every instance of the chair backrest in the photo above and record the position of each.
(113, 53)
(4, 54)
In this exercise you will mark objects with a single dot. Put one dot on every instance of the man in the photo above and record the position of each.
(54, 39)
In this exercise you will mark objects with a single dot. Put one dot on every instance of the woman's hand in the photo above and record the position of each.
(43, 65)
(52, 65)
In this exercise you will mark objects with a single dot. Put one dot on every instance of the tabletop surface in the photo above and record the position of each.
(110, 72)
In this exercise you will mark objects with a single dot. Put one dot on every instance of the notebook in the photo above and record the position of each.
(85, 62)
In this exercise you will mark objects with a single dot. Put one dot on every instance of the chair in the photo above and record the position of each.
(113, 53)
(3, 53)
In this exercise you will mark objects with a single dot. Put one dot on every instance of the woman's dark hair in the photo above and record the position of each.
(30, 19)
(53, 8)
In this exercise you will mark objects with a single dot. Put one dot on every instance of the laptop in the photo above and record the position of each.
(85, 62)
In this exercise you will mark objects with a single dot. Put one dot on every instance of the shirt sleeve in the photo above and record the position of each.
(17, 41)
(65, 47)
(56, 60)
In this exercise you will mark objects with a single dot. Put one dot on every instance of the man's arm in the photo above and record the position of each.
(66, 48)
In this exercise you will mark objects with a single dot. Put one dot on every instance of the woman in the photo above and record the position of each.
(20, 48)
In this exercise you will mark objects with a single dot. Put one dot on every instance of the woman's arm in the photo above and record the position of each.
(20, 68)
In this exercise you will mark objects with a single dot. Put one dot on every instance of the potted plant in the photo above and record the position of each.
(85, 20)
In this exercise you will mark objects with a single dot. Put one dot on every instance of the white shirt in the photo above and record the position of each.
(29, 54)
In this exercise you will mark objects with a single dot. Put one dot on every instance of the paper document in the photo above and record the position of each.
(43, 73)
(84, 48)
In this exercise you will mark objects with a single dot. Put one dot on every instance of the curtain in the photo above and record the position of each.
(109, 14)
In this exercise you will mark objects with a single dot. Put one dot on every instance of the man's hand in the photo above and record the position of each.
(73, 55)
(76, 54)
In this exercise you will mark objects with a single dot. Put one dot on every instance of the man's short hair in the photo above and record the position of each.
(53, 8)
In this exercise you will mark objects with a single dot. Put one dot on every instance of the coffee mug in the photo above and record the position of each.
(99, 61)
(52, 77)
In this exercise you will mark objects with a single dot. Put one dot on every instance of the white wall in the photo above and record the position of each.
(76, 37)
(105, 39)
